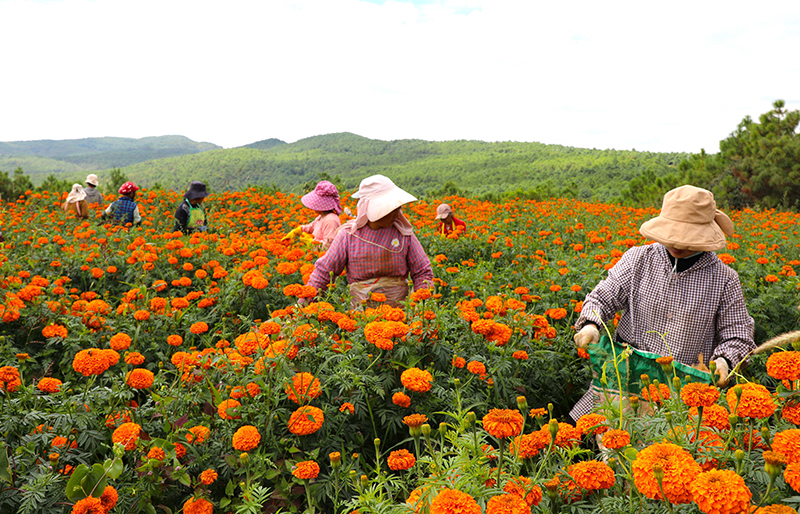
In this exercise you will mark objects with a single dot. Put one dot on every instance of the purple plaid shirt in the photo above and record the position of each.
(700, 310)
(371, 254)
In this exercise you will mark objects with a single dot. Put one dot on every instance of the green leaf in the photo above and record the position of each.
(74, 490)
(149, 508)
(95, 481)
(224, 503)
(230, 488)
(113, 468)
(185, 480)
(5, 469)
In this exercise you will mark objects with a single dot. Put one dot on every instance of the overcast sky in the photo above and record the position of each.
(659, 76)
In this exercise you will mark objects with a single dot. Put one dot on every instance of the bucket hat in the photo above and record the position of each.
(443, 211)
(196, 190)
(382, 196)
(77, 194)
(128, 187)
(91, 179)
(324, 197)
(689, 220)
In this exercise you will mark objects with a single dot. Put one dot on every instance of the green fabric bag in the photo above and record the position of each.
(637, 363)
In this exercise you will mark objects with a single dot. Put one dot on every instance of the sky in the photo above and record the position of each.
(658, 76)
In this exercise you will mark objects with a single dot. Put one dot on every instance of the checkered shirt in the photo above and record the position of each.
(700, 310)
(366, 261)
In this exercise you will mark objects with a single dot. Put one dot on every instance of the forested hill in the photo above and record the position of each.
(467, 167)
(44, 157)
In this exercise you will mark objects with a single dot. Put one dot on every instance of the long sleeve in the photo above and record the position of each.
(419, 265)
(610, 295)
(181, 219)
(734, 325)
(137, 217)
(334, 261)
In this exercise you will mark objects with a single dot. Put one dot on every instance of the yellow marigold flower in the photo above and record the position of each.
(721, 492)
(416, 380)
(401, 459)
(502, 423)
(246, 438)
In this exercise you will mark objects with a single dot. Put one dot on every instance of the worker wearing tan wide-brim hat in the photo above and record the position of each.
(677, 298)
(93, 195)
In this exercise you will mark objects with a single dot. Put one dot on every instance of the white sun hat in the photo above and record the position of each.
(382, 196)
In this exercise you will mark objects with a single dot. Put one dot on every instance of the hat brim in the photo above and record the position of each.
(92, 183)
(319, 203)
(194, 195)
(443, 215)
(700, 237)
(380, 206)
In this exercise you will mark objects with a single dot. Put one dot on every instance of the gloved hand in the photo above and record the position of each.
(589, 334)
(722, 371)
(292, 234)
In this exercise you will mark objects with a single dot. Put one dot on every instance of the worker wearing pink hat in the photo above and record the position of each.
(378, 248)
(449, 223)
(324, 200)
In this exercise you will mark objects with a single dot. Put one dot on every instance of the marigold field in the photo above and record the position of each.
(142, 370)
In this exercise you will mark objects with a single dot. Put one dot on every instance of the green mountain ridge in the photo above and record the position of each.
(423, 167)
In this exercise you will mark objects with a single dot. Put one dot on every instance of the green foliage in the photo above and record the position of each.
(765, 156)
(12, 187)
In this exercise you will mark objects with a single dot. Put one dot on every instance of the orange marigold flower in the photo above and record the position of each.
(54, 331)
(771, 278)
(400, 460)
(787, 443)
(615, 439)
(304, 388)
(792, 476)
(49, 385)
(756, 402)
(401, 400)
(89, 505)
(529, 444)
(94, 361)
(197, 434)
(416, 380)
(140, 378)
(415, 420)
(680, 469)
(538, 412)
(502, 423)
(306, 420)
(127, 434)
(157, 453)
(476, 368)
(246, 438)
(775, 508)
(228, 405)
(134, 358)
(459, 362)
(120, 342)
(306, 470)
(201, 327)
(452, 501)
(592, 424)
(198, 506)
(174, 340)
(507, 504)
(523, 488)
(714, 416)
(721, 492)
(656, 394)
(347, 406)
(520, 355)
(109, 498)
(784, 365)
(791, 412)
(208, 476)
(141, 315)
(592, 475)
(696, 394)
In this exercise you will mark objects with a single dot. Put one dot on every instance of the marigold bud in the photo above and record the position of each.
(457, 383)
(336, 459)
(668, 416)
(733, 419)
(426, 430)
(645, 381)
(244, 458)
(522, 404)
(658, 472)
(676, 383)
(712, 367)
(377, 442)
(364, 480)
(739, 456)
(471, 417)
(552, 426)
(737, 390)
(765, 434)
(550, 409)
(631, 453)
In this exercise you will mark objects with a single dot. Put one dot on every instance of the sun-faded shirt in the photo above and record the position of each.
(699, 310)
(369, 254)
(323, 228)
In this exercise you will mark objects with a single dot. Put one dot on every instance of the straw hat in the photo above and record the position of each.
(324, 197)
(91, 179)
(443, 211)
(689, 220)
(382, 196)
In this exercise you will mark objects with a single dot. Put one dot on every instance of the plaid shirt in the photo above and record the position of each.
(364, 260)
(700, 310)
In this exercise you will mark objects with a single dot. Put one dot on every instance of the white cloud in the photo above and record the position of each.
(662, 77)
